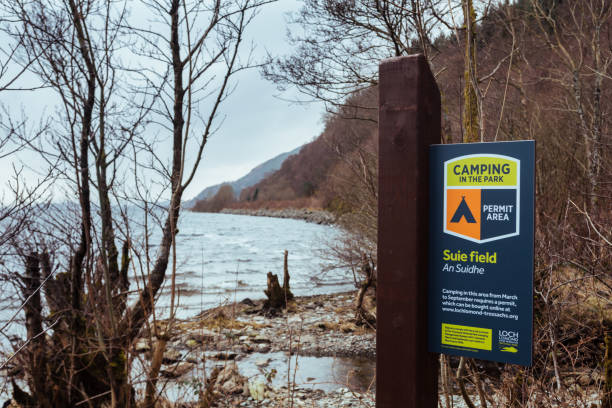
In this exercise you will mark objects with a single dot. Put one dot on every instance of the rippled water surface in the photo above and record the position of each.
(223, 257)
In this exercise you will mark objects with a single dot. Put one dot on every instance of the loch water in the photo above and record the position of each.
(223, 258)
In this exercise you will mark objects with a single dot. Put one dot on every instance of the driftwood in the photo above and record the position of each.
(278, 295)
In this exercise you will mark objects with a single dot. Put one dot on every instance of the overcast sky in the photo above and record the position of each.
(258, 124)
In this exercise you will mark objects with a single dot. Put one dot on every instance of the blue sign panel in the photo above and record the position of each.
(481, 250)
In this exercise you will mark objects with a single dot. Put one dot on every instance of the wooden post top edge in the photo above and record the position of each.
(407, 65)
(395, 63)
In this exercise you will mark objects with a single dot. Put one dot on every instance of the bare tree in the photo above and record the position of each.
(471, 110)
(16, 197)
(202, 56)
(577, 36)
(104, 107)
(343, 41)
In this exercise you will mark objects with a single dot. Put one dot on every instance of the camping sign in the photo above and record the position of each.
(480, 285)
(481, 196)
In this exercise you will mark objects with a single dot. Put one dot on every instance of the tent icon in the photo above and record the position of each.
(463, 211)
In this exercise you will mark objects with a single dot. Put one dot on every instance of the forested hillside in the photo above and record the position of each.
(313, 172)
(540, 77)
(534, 69)
(533, 89)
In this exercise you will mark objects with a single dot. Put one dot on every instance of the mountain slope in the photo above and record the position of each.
(253, 177)
(328, 166)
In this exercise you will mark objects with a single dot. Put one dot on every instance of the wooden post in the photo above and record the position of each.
(409, 121)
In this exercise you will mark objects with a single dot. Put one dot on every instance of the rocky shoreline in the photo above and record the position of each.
(244, 350)
(315, 216)
(249, 356)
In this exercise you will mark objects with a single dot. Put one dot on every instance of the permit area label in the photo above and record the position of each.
(481, 249)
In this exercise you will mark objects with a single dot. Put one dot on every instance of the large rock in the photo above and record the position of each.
(229, 380)
(178, 370)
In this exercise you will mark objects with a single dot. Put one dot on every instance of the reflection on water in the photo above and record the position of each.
(223, 258)
(323, 373)
(316, 373)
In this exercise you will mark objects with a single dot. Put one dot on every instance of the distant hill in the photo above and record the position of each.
(328, 170)
(252, 178)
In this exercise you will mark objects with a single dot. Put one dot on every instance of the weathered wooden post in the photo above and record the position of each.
(409, 121)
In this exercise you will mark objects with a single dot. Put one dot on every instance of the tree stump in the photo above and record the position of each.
(278, 295)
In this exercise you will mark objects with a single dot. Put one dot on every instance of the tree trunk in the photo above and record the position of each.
(606, 401)
(156, 361)
(471, 111)
(37, 347)
(363, 316)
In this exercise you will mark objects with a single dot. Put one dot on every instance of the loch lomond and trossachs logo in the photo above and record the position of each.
(481, 197)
